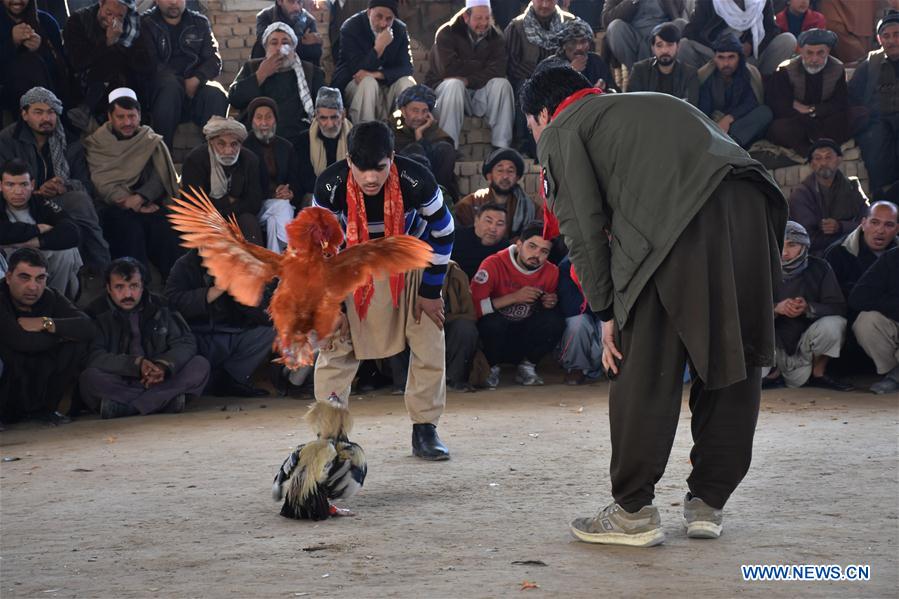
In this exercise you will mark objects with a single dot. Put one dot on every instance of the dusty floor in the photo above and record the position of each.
(179, 505)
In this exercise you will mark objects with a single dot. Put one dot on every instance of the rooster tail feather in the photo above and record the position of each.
(315, 461)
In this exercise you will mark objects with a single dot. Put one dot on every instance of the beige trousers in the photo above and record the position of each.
(387, 331)
(879, 337)
(370, 101)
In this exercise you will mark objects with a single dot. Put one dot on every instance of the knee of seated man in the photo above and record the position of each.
(832, 326)
(867, 322)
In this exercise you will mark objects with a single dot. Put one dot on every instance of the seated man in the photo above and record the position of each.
(809, 318)
(143, 358)
(27, 220)
(730, 93)
(188, 61)
(761, 41)
(300, 20)
(283, 190)
(133, 173)
(107, 50)
(231, 177)
(874, 97)
(580, 349)
(325, 142)
(798, 17)
(58, 168)
(514, 295)
(375, 62)
(485, 238)
(663, 73)
(855, 254)
(853, 22)
(234, 338)
(31, 54)
(530, 39)
(468, 72)
(281, 76)
(629, 25)
(808, 96)
(827, 203)
(43, 340)
(503, 170)
(575, 41)
(876, 298)
(416, 132)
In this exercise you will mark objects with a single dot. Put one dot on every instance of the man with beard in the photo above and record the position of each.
(58, 169)
(629, 25)
(468, 73)
(143, 359)
(281, 186)
(827, 203)
(31, 54)
(417, 133)
(229, 175)
(374, 65)
(663, 73)
(502, 169)
(874, 97)
(292, 83)
(134, 176)
(575, 41)
(730, 93)
(301, 20)
(188, 61)
(514, 294)
(487, 237)
(808, 95)
(325, 142)
(43, 339)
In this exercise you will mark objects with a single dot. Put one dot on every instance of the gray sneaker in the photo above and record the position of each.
(493, 377)
(527, 374)
(614, 526)
(889, 384)
(702, 520)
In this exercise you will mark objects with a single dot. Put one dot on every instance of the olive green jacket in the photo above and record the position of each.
(625, 174)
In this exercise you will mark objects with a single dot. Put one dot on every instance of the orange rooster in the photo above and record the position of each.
(315, 276)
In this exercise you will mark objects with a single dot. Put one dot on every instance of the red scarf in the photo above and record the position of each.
(550, 222)
(357, 232)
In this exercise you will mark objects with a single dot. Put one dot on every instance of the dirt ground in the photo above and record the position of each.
(180, 505)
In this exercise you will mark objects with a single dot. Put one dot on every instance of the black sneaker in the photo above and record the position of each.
(175, 405)
(827, 382)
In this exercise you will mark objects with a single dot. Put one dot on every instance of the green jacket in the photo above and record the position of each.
(625, 174)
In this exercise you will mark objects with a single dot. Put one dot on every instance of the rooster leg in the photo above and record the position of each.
(335, 511)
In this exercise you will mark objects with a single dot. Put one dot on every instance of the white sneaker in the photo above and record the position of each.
(527, 374)
(493, 377)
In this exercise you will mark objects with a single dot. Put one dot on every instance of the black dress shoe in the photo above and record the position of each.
(426, 444)
(827, 382)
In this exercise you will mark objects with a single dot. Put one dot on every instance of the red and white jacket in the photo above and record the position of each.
(501, 275)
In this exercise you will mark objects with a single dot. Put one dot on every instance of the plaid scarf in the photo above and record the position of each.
(357, 232)
(536, 34)
(130, 25)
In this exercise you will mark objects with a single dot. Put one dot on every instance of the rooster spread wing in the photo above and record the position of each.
(377, 258)
(239, 267)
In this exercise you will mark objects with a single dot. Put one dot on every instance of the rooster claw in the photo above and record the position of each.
(336, 512)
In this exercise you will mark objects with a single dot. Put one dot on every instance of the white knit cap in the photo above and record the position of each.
(122, 92)
(279, 26)
(473, 3)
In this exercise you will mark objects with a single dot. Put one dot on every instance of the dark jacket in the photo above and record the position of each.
(819, 287)
(71, 323)
(780, 91)
(304, 23)
(405, 136)
(196, 40)
(850, 258)
(93, 61)
(626, 10)
(644, 77)
(62, 236)
(281, 87)
(245, 186)
(849, 206)
(455, 55)
(165, 337)
(878, 289)
(186, 289)
(357, 51)
(737, 99)
(705, 25)
(523, 56)
(864, 87)
(287, 165)
(17, 141)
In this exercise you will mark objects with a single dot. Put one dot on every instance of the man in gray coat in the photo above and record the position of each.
(673, 281)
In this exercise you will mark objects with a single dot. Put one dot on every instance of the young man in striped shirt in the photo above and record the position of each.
(374, 194)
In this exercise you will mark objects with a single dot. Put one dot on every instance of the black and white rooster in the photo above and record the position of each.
(331, 467)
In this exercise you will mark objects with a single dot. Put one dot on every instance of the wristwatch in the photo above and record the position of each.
(47, 324)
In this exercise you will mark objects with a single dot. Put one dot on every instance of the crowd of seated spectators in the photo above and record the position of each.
(93, 105)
